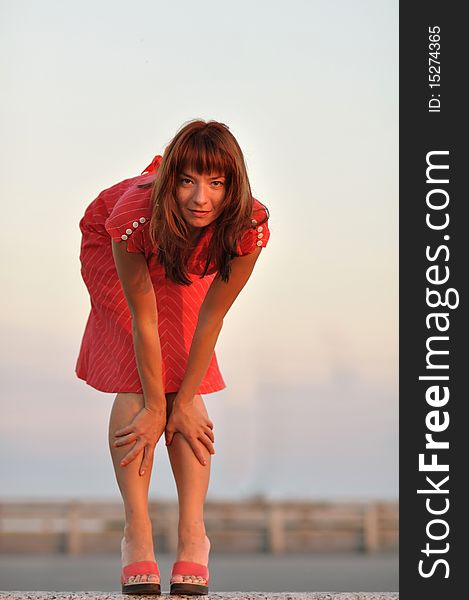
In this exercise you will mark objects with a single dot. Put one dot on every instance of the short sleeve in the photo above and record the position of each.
(258, 234)
(130, 218)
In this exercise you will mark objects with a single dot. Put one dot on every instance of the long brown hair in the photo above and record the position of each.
(205, 147)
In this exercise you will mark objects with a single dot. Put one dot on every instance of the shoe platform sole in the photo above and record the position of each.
(142, 588)
(191, 589)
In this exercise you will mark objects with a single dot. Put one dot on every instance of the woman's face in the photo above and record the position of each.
(200, 197)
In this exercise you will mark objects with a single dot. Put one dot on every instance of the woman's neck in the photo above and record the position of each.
(195, 235)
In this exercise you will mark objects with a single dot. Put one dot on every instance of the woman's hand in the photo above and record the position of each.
(188, 420)
(145, 430)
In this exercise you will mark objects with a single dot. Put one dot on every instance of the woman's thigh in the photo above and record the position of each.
(198, 401)
(131, 403)
(128, 403)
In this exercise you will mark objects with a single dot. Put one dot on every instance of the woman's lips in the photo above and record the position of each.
(199, 213)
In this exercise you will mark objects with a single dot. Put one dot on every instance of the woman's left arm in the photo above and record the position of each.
(216, 304)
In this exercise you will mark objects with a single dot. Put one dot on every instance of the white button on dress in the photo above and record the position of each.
(124, 237)
(142, 219)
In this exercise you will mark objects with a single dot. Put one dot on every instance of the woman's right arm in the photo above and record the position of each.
(148, 425)
(138, 289)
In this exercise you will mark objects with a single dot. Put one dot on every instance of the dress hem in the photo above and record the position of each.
(140, 391)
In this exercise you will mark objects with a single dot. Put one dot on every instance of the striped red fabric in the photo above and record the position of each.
(106, 359)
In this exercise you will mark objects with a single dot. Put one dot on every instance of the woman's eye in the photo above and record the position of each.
(218, 183)
(185, 180)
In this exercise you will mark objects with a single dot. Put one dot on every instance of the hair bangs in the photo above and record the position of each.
(203, 155)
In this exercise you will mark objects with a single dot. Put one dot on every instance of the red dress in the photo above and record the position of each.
(106, 359)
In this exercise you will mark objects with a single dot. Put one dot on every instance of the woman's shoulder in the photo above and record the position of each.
(130, 208)
(129, 203)
(260, 212)
(258, 232)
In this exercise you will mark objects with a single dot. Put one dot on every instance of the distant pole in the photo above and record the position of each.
(371, 528)
(171, 526)
(276, 528)
(73, 534)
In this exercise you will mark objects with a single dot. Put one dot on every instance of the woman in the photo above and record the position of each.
(164, 255)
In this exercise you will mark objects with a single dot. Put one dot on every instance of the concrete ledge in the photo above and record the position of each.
(213, 596)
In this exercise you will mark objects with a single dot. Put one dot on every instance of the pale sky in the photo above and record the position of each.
(90, 92)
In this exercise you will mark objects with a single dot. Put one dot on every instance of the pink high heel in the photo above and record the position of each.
(185, 567)
(142, 567)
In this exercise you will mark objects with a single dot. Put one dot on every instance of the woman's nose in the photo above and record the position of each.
(200, 196)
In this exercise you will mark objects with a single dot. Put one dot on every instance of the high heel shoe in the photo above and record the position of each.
(188, 568)
(142, 567)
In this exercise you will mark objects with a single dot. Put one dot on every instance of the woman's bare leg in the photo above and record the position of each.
(192, 479)
(137, 543)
